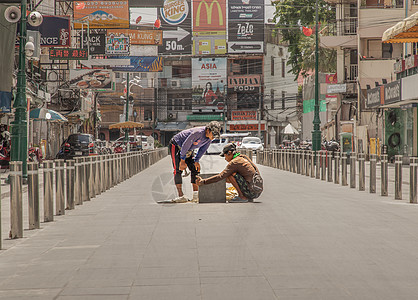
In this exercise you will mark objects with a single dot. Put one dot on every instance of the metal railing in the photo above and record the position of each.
(333, 167)
(76, 181)
(346, 26)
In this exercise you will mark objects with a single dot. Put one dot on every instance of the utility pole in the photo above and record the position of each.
(127, 110)
(316, 133)
(259, 111)
(19, 135)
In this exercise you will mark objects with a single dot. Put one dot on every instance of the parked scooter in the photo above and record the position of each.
(35, 155)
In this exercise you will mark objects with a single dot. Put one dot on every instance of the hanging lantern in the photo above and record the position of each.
(157, 23)
(307, 31)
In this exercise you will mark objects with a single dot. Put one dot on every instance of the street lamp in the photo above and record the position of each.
(19, 136)
(129, 84)
(316, 133)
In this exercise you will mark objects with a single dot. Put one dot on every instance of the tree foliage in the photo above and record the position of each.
(290, 16)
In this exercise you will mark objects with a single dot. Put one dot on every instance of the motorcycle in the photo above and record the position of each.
(35, 155)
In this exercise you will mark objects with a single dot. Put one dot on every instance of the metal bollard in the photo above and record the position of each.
(384, 175)
(70, 184)
(77, 183)
(372, 173)
(59, 187)
(337, 167)
(16, 208)
(85, 185)
(323, 164)
(318, 164)
(353, 170)
(312, 154)
(33, 195)
(329, 166)
(413, 180)
(361, 172)
(97, 176)
(90, 177)
(48, 169)
(102, 173)
(398, 177)
(344, 169)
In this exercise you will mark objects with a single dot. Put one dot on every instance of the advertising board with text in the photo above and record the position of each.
(246, 127)
(175, 16)
(145, 3)
(101, 14)
(242, 83)
(246, 9)
(116, 44)
(208, 81)
(141, 64)
(140, 37)
(143, 16)
(209, 27)
(54, 30)
(239, 115)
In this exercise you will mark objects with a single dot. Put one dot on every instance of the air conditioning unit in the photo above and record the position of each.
(172, 116)
(175, 83)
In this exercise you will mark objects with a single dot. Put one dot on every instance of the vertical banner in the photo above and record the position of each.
(175, 16)
(209, 27)
(246, 26)
(209, 81)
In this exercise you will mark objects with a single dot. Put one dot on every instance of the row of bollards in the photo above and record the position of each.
(333, 167)
(75, 181)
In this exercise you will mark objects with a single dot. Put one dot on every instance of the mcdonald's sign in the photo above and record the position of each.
(209, 15)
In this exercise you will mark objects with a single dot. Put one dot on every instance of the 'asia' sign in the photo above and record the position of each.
(246, 127)
(238, 115)
(244, 83)
(68, 54)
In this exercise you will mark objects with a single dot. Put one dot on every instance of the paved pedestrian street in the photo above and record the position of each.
(303, 239)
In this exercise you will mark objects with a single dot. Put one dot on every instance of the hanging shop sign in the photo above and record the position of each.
(375, 97)
(101, 14)
(392, 92)
(141, 64)
(140, 37)
(117, 44)
(336, 88)
(244, 83)
(54, 31)
(238, 115)
(209, 27)
(175, 16)
(68, 54)
(247, 127)
(95, 42)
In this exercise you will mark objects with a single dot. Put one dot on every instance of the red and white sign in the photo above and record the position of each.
(246, 127)
(237, 115)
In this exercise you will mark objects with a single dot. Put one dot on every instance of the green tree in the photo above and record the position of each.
(290, 16)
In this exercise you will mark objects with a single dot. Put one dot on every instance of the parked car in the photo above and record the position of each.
(253, 143)
(140, 140)
(218, 144)
(77, 144)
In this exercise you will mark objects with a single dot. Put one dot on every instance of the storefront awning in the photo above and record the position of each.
(405, 31)
(171, 126)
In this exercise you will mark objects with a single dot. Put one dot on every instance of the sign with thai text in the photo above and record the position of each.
(246, 127)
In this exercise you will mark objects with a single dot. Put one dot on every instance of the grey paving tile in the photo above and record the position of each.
(36, 294)
(163, 292)
(96, 291)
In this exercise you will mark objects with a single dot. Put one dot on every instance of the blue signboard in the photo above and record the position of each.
(141, 64)
(5, 102)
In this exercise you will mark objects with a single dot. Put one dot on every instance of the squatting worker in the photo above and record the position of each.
(239, 172)
(181, 148)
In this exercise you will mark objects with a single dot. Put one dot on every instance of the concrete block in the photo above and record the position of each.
(212, 193)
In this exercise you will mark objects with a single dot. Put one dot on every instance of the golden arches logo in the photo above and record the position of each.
(209, 9)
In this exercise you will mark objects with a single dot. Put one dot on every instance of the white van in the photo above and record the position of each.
(217, 145)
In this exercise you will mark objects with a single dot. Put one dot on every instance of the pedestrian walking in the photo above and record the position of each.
(182, 147)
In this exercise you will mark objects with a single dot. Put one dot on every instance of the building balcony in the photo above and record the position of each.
(374, 72)
(347, 26)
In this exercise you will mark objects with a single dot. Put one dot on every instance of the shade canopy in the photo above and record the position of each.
(46, 114)
(128, 124)
(405, 31)
(289, 129)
